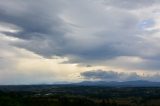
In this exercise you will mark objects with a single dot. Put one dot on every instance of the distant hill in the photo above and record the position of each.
(137, 83)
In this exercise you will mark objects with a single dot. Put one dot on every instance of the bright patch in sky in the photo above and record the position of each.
(147, 23)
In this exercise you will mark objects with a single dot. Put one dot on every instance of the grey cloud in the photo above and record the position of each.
(35, 21)
(100, 74)
(104, 75)
(84, 32)
(131, 4)
(38, 24)
(43, 28)
(109, 75)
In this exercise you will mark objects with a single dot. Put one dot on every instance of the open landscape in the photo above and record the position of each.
(78, 95)
(79, 52)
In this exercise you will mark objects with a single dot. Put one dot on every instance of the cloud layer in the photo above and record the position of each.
(122, 35)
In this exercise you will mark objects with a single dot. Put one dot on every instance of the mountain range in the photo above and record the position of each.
(137, 83)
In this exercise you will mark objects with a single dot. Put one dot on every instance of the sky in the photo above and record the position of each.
(64, 41)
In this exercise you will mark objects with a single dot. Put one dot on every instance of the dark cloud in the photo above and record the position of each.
(100, 74)
(45, 33)
(39, 25)
(104, 75)
(34, 21)
(109, 75)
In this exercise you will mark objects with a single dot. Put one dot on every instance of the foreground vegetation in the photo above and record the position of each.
(80, 96)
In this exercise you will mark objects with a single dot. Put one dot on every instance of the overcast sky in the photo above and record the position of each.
(59, 41)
